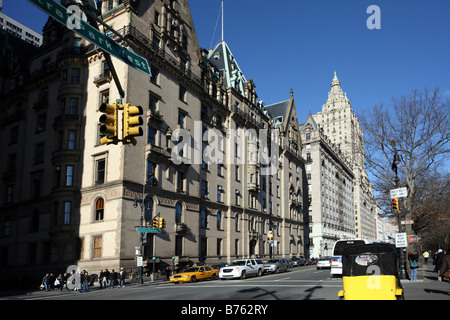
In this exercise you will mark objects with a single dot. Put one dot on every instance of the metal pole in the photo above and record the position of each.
(401, 269)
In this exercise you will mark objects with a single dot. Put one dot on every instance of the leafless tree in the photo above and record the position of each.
(416, 126)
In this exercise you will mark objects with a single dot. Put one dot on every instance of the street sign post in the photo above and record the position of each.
(401, 240)
(85, 30)
(149, 230)
(407, 222)
(399, 193)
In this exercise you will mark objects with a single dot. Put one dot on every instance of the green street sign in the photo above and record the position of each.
(72, 20)
(149, 230)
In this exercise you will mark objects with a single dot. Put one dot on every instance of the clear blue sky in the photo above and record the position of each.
(299, 44)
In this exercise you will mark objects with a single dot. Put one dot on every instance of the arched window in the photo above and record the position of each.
(99, 209)
(178, 213)
(219, 220)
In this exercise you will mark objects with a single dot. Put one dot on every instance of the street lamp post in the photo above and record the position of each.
(395, 163)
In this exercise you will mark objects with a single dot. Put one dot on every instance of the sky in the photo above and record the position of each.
(299, 44)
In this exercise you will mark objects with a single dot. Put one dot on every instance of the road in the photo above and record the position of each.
(300, 283)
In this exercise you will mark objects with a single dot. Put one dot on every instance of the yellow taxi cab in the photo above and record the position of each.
(194, 274)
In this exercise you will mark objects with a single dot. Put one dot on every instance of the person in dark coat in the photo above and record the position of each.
(445, 265)
(122, 277)
(112, 278)
(439, 258)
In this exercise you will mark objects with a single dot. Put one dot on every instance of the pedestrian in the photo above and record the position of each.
(122, 276)
(426, 255)
(105, 279)
(439, 258)
(51, 281)
(58, 281)
(414, 264)
(100, 279)
(45, 281)
(86, 281)
(112, 278)
(167, 273)
(445, 267)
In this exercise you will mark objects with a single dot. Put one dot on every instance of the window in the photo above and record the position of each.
(154, 76)
(203, 219)
(180, 180)
(236, 223)
(98, 241)
(71, 140)
(39, 153)
(204, 190)
(181, 118)
(148, 207)
(75, 76)
(67, 212)
(219, 220)
(178, 213)
(69, 176)
(182, 94)
(219, 247)
(151, 135)
(73, 109)
(100, 174)
(220, 194)
(99, 209)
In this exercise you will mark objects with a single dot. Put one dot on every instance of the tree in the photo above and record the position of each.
(416, 126)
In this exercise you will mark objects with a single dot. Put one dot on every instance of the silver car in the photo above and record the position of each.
(275, 266)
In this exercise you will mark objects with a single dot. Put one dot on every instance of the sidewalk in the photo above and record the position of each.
(94, 287)
(428, 288)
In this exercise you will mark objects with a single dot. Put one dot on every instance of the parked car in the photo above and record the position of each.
(299, 262)
(242, 269)
(195, 273)
(290, 262)
(324, 263)
(276, 266)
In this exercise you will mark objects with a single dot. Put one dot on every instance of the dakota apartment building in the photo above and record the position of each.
(70, 200)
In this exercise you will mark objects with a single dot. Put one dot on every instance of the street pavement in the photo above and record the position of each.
(427, 288)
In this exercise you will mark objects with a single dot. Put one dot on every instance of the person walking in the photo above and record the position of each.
(167, 273)
(439, 259)
(112, 278)
(445, 267)
(426, 255)
(45, 281)
(414, 264)
(122, 276)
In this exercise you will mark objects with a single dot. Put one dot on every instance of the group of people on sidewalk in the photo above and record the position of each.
(80, 281)
(441, 262)
(108, 279)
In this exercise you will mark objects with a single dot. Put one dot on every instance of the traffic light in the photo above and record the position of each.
(131, 123)
(394, 205)
(156, 223)
(270, 236)
(110, 122)
(412, 239)
(162, 223)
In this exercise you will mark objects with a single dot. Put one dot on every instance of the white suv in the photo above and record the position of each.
(242, 268)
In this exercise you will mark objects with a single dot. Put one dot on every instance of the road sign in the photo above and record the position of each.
(401, 240)
(85, 30)
(407, 222)
(139, 261)
(399, 193)
(149, 230)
